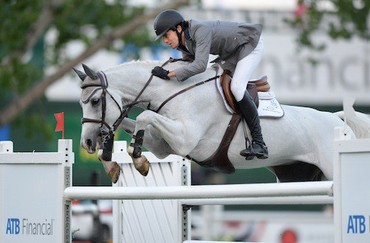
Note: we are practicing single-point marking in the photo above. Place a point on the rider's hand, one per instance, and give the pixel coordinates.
(160, 72)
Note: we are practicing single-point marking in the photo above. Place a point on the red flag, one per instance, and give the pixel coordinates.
(60, 123)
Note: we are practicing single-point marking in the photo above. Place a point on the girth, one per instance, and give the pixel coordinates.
(219, 161)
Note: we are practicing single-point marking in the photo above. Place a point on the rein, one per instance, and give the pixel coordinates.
(184, 90)
(123, 111)
(126, 108)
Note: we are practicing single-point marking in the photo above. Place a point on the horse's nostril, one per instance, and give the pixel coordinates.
(88, 142)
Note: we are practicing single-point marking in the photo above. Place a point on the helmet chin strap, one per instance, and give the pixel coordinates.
(179, 34)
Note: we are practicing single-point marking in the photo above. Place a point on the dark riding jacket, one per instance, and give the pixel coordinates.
(222, 38)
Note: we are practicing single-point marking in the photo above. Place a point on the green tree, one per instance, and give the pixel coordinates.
(97, 23)
(339, 19)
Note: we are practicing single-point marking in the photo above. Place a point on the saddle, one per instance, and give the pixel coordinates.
(253, 87)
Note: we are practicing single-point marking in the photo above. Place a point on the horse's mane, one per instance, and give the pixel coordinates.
(134, 62)
(144, 63)
(138, 65)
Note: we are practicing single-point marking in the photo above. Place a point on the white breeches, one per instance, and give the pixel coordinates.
(244, 70)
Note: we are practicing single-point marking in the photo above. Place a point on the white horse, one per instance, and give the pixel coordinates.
(194, 122)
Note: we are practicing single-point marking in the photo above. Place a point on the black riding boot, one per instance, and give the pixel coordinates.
(249, 112)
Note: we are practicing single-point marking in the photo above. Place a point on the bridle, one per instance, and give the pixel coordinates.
(123, 111)
(104, 87)
(126, 108)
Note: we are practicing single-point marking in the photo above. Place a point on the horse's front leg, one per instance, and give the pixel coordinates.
(152, 141)
(112, 169)
(173, 132)
(128, 125)
(135, 149)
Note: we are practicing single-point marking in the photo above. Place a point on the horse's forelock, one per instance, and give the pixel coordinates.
(90, 82)
(87, 93)
(89, 87)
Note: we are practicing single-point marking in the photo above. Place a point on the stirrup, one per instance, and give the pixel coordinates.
(248, 153)
(260, 155)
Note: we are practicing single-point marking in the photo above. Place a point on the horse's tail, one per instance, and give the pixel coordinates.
(358, 122)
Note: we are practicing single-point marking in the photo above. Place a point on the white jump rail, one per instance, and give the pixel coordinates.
(36, 191)
(199, 192)
(281, 200)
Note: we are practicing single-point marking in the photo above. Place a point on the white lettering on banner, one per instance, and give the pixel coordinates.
(303, 74)
(342, 69)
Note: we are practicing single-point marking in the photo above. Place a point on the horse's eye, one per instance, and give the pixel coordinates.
(95, 101)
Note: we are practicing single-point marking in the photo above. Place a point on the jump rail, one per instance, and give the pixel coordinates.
(202, 192)
(36, 192)
(288, 200)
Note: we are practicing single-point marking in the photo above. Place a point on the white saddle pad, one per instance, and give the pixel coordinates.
(268, 104)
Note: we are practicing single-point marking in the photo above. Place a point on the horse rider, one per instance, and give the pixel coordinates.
(240, 48)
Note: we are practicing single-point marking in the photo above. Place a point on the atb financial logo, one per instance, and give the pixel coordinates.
(25, 226)
(356, 224)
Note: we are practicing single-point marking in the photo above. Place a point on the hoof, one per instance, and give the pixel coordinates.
(114, 172)
(142, 165)
(144, 171)
(112, 169)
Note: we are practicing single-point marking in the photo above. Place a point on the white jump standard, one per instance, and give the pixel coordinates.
(31, 194)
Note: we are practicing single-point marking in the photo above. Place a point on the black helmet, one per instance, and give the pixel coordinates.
(165, 21)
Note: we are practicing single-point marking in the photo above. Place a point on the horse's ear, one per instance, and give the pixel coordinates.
(80, 74)
(90, 73)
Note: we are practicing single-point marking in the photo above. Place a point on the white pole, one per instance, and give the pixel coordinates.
(285, 200)
(198, 192)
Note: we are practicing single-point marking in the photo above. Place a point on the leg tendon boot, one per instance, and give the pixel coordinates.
(250, 114)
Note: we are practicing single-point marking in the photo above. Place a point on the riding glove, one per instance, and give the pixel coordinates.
(160, 72)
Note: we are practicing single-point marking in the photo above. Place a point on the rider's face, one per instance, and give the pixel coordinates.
(171, 39)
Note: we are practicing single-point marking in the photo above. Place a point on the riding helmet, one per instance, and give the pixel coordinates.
(165, 21)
